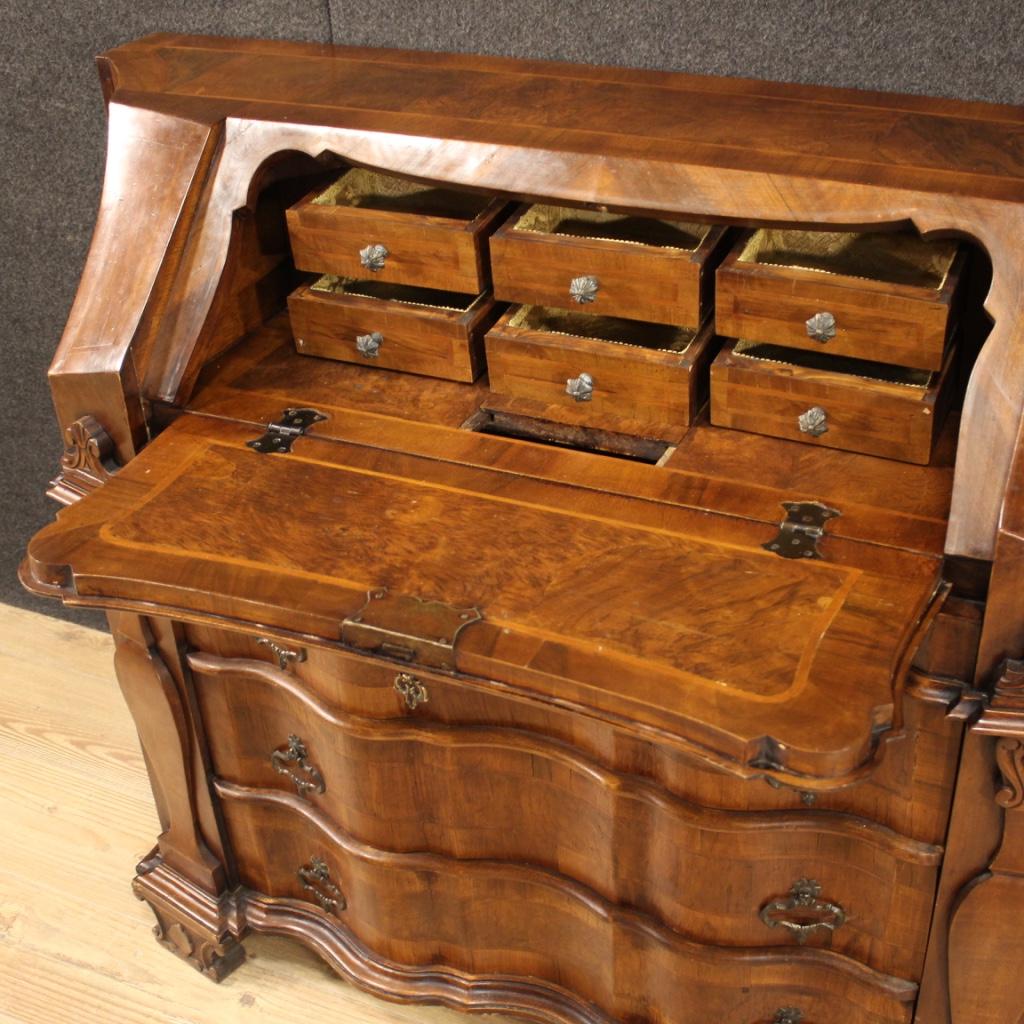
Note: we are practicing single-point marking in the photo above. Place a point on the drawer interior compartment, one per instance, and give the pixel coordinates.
(619, 375)
(384, 291)
(888, 297)
(857, 405)
(612, 227)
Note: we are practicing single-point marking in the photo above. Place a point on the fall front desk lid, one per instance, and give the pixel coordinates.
(670, 621)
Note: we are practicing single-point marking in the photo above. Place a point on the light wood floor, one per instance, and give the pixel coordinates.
(75, 815)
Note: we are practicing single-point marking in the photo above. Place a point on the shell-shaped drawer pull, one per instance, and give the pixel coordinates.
(584, 288)
(580, 388)
(373, 256)
(412, 690)
(293, 761)
(803, 912)
(814, 421)
(821, 327)
(286, 657)
(368, 345)
(316, 879)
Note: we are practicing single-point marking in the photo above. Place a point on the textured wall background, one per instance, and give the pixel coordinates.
(52, 126)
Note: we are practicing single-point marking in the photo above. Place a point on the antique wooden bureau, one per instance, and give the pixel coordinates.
(562, 527)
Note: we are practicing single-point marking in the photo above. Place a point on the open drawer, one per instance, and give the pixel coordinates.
(596, 371)
(884, 297)
(368, 224)
(396, 327)
(643, 268)
(679, 622)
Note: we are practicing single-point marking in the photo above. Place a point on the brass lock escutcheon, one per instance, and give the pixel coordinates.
(803, 912)
(293, 761)
(584, 288)
(413, 692)
(316, 879)
(373, 256)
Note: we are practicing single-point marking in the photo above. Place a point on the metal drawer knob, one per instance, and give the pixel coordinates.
(308, 777)
(373, 256)
(413, 692)
(802, 912)
(584, 289)
(369, 345)
(821, 327)
(788, 1015)
(581, 388)
(285, 657)
(316, 878)
(813, 422)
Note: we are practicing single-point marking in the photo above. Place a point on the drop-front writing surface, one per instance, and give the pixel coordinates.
(372, 668)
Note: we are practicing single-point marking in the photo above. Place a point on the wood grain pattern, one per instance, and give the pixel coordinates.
(82, 822)
(764, 393)
(408, 787)
(416, 908)
(432, 340)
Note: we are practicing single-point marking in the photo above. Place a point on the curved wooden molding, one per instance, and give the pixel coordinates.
(454, 737)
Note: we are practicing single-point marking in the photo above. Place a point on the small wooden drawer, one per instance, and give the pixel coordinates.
(372, 225)
(596, 371)
(621, 265)
(885, 297)
(397, 327)
(859, 406)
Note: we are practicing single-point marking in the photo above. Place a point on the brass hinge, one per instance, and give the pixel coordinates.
(408, 628)
(281, 434)
(802, 529)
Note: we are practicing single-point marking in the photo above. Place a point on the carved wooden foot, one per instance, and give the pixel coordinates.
(190, 922)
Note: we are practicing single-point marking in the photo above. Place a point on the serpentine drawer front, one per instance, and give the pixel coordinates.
(561, 529)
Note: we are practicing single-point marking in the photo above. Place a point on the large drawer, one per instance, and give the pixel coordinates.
(907, 788)
(485, 918)
(709, 874)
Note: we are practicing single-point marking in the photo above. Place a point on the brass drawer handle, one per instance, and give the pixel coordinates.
(413, 692)
(584, 289)
(803, 912)
(788, 1015)
(581, 388)
(814, 421)
(316, 878)
(296, 754)
(373, 256)
(285, 656)
(369, 345)
(821, 327)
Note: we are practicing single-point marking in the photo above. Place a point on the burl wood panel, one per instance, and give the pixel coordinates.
(439, 342)
(410, 787)
(484, 917)
(795, 661)
(889, 162)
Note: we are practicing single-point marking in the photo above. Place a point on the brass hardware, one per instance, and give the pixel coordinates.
(316, 878)
(584, 289)
(802, 912)
(373, 256)
(408, 628)
(581, 388)
(369, 344)
(412, 690)
(281, 434)
(296, 754)
(807, 797)
(821, 327)
(788, 1015)
(285, 656)
(802, 529)
(814, 421)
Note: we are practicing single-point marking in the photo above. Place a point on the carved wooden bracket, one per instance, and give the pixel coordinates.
(87, 463)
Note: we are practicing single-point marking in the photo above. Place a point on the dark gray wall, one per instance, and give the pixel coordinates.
(52, 130)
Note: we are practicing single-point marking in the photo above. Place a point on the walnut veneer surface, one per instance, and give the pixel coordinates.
(442, 688)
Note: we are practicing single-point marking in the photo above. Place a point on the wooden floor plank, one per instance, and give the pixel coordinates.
(76, 813)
